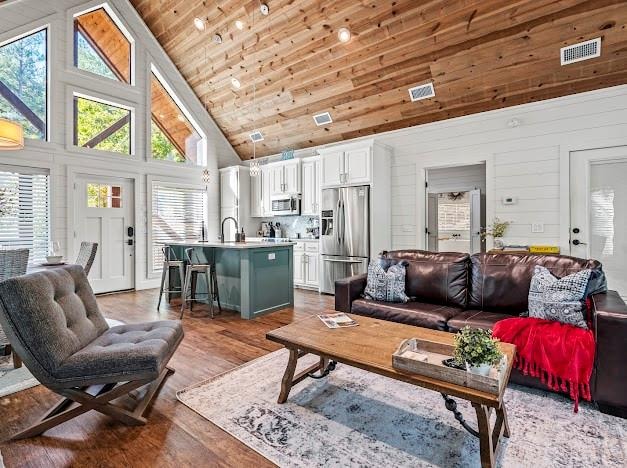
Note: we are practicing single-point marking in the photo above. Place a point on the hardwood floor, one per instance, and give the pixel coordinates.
(174, 435)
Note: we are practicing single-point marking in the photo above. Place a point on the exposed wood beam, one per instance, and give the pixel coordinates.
(107, 132)
(22, 108)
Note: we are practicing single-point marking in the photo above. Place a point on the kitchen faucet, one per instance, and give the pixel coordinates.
(222, 230)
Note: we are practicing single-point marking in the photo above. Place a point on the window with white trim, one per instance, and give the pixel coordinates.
(178, 214)
(24, 211)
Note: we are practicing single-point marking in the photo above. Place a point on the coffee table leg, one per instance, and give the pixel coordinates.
(501, 426)
(489, 437)
(288, 376)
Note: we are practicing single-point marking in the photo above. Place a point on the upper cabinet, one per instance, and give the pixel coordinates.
(310, 203)
(346, 166)
(229, 187)
(284, 177)
(256, 196)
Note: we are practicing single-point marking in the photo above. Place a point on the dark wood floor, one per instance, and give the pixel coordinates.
(174, 435)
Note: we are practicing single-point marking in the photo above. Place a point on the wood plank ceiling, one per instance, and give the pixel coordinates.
(480, 55)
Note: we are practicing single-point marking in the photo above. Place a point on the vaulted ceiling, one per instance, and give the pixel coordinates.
(479, 54)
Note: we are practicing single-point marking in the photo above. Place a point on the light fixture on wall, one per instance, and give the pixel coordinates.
(11, 135)
(344, 35)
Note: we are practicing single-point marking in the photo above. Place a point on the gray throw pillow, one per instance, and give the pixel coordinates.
(559, 299)
(386, 285)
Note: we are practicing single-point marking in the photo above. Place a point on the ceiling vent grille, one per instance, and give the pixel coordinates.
(323, 119)
(256, 136)
(582, 51)
(424, 91)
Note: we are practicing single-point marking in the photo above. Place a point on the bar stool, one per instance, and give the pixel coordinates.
(170, 260)
(193, 269)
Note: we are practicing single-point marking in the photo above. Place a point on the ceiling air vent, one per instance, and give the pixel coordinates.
(424, 91)
(323, 119)
(256, 136)
(582, 51)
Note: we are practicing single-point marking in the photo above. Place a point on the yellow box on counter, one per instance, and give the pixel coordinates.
(545, 249)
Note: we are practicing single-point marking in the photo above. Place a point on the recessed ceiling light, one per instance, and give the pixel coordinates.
(265, 9)
(239, 24)
(344, 35)
(235, 82)
(217, 38)
(199, 24)
(181, 118)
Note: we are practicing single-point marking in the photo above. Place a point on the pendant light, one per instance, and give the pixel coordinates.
(11, 135)
(254, 163)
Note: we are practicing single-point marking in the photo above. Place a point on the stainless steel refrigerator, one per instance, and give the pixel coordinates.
(344, 234)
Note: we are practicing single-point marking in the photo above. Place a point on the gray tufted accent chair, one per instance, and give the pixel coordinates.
(53, 321)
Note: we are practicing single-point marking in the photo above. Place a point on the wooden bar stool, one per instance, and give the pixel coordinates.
(170, 261)
(194, 268)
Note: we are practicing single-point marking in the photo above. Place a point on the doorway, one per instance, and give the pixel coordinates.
(104, 213)
(598, 197)
(456, 209)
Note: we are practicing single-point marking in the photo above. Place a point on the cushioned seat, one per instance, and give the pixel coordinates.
(141, 350)
(475, 319)
(420, 314)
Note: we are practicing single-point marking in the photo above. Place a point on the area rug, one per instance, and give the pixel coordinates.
(14, 380)
(356, 418)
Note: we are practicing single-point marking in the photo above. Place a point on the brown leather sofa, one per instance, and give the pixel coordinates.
(452, 290)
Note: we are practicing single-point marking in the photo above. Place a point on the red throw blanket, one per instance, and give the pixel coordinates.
(562, 356)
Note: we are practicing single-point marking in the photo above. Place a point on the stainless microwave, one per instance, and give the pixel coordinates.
(285, 205)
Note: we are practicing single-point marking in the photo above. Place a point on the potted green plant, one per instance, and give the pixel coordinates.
(477, 349)
(497, 232)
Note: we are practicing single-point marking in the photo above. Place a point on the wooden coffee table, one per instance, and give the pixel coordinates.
(369, 346)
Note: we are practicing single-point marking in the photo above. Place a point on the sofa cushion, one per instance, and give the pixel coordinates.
(500, 282)
(419, 314)
(475, 319)
(438, 278)
(124, 352)
(386, 283)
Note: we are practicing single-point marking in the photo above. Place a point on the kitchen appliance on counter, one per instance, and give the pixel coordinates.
(344, 234)
(284, 205)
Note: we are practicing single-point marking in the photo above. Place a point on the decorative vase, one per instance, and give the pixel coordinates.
(498, 243)
(483, 369)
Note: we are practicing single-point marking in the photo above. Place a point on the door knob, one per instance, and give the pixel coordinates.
(578, 242)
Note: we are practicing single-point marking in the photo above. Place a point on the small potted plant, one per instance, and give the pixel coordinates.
(497, 232)
(477, 349)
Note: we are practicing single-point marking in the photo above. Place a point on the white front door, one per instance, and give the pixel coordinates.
(598, 194)
(104, 213)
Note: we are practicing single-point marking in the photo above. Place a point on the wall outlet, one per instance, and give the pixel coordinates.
(537, 227)
(509, 200)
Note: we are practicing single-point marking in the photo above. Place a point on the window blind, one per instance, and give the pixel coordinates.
(24, 213)
(178, 214)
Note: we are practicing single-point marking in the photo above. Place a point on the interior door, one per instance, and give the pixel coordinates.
(104, 209)
(598, 193)
(432, 222)
(476, 206)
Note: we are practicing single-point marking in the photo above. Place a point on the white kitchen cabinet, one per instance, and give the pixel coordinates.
(311, 269)
(310, 202)
(256, 196)
(299, 268)
(332, 169)
(306, 264)
(285, 177)
(234, 198)
(229, 187)
(357, 163)
(349, 167)
(266, 191)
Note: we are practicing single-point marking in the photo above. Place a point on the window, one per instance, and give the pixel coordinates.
(24, 212)
(178, 213)
(173, 137)
(101, 47)
(24, 83)
(104, 196)
(101, 126)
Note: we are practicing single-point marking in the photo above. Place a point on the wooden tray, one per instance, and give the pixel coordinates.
(433, 367)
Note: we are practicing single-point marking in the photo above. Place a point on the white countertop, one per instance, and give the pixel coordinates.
(233, 245)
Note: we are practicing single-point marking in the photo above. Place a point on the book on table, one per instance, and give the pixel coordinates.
(339, 320)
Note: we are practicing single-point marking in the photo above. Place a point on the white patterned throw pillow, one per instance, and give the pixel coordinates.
(386, 285)
(559, 299)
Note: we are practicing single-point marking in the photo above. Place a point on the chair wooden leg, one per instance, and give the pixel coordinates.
(17, 361)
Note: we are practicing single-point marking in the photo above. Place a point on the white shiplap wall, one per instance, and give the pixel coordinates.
(63, 159)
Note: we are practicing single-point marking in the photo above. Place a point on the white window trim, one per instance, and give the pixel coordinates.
(153, 69)
(151, 181)
(72, 13)
(73, 92)
(20, 33)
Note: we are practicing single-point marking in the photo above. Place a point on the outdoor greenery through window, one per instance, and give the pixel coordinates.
(23, 83)
(100, 47)
(24, 212)
(102, 126)
(173, 137)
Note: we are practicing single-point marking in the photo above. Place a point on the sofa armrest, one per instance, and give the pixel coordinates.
(610, 326)
(347, 290)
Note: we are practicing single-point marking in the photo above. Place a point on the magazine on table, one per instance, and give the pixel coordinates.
(340, 320)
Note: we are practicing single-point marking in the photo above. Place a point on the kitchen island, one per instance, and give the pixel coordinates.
(254, 278)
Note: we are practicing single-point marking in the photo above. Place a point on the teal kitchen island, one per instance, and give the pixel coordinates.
(253, 278)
